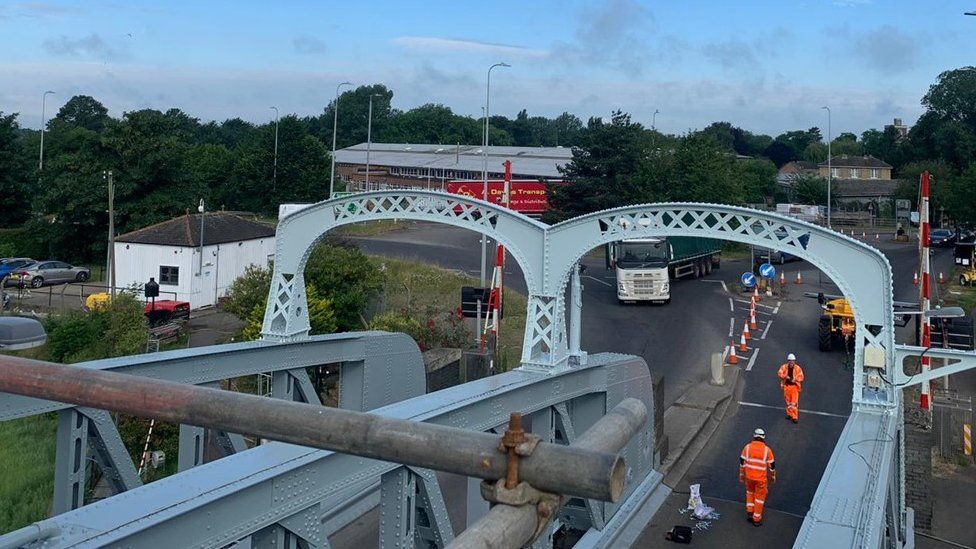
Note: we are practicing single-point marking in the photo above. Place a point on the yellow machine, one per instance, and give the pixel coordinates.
(965, 258)
(96, 301)
(836, 323)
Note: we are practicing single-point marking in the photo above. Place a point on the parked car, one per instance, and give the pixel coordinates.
(40, 273)
(942, 237)
(9, 264)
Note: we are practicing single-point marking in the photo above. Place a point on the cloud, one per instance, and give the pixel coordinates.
(731, 55)
(433, 44)
(308, 45)
(614, 34)
(888, 49)
(91, 46)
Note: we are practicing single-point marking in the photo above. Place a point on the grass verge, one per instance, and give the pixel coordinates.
(27, 469)
(413, 285)
(958, 296)
(371, 228)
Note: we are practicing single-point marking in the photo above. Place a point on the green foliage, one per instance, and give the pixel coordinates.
(321, 315)
(346, 278)
(15, 188)
(248, 291)
(27, 469)
(809, 189)
(116, 330)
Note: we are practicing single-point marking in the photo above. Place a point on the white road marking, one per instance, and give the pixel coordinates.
(768, 324)
(724, 287)
(752, 359)
(597, 280)
(758, 312)
(731, 305)
(722, 282)
(731, 326)
(776, 310)
(747, 302)
(756, 405)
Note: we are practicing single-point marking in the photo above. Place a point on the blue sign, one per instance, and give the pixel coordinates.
(766, 270)
(748, 279)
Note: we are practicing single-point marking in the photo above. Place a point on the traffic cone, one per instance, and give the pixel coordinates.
(941, 278)
(877, 236)
(755, 295)
(782, 279)
(799, 278)
(752, 321)
(915, 279)
(742, 344)
(732, 358)
(745, 331)
(863, 235)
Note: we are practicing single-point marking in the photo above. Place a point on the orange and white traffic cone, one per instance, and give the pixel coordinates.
(877, 236)
(742, 344)
(755, 295)
(732, 358)
(863, 235)
(745, 331)
(941, 278)
(799, 278)
(915, 279)
(752, 321)
(782, 279)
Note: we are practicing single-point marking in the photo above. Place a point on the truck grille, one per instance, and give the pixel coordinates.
(643, 287)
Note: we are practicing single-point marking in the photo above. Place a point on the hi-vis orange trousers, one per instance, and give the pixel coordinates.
(791, 394)
(756, 491)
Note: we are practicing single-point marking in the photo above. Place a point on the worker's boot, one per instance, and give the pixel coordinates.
(757, 523)
(748, 516)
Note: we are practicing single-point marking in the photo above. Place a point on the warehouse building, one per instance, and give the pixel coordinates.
(395, 165)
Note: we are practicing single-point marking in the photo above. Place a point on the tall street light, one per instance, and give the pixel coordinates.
(274, 178)
(40, 163)
(654, 120)
(484, 171)
(830, 172)
(335, 122)
(369, 135)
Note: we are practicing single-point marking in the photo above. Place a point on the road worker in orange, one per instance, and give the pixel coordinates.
(755, 462)
(791, 381)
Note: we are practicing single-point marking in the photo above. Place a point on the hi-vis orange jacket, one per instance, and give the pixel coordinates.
(756, 459)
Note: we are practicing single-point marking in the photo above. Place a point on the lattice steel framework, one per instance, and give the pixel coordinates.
(548, 256)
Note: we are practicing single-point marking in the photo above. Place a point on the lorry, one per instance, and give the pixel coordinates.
(646, 266)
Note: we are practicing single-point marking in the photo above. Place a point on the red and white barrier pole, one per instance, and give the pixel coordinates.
(923, 242)
(493, 318)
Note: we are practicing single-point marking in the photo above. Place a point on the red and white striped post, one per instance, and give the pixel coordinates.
(923, 243)
(493, 318)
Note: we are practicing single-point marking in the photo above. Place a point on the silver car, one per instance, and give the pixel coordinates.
(40, 273)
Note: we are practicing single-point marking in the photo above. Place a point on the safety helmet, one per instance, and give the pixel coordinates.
(759, 433)
(791, 356)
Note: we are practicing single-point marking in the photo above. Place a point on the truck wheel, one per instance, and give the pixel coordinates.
(962, 280)
(708, 266)
(824, 337)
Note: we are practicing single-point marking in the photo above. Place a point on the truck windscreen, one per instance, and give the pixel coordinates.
(642, 255)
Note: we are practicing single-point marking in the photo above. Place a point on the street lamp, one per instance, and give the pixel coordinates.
(202, 211)
(484, 171)
(40, 163)
(335, 122)
(369, 135)
(654, 119)
(830, 172)
(274, 180)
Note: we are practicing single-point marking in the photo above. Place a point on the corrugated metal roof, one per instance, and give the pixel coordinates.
(526, 161)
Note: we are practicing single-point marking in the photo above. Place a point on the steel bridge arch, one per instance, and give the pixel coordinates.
(861, 272)
(286, 315)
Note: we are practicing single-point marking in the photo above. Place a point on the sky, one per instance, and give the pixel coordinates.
(767, 66)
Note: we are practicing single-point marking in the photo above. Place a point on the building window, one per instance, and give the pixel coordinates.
(874, 173)
(854, 174)
(169, 275)
(834, 172)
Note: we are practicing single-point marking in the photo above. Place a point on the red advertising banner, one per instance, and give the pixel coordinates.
(528, 195)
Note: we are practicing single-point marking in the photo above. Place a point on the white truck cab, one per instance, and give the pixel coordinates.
(641, 265)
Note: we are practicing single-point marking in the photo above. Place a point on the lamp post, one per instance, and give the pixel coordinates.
(654, 119)
(369, 135)
(335, 122)
(40, 163)
(484, 155)
(202, 211)
(830, 172)
(274, 177)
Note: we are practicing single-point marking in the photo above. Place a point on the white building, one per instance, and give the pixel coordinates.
(170, 253)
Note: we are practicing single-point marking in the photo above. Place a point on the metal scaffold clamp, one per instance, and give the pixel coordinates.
(516, 443)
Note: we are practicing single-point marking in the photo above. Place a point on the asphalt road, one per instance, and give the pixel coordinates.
(676, 341)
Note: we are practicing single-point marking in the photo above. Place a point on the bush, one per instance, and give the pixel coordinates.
(347, 278)
(321, 316)
(119, 329)
(429, 328)
(248, 290)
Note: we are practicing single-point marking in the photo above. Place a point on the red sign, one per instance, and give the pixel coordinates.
(528, 195)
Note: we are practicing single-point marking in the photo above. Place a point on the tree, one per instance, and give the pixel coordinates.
(345, 277)
(881, 144)
(758, 180)
(846, 144)
(961, 193)
(15, 189)
(809, 189)
(953, 97)
(604, 171)
(354, 114)
(83, 111)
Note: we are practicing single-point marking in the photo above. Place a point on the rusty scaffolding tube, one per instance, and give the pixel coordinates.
(511, 526)
(551, 467)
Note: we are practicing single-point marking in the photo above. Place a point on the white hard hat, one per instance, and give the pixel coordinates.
(759, 433)
(791, 356)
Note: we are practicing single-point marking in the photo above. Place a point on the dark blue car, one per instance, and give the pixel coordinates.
(10, 264)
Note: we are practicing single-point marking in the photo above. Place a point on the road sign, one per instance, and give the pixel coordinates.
(766, 270)
(748, 279)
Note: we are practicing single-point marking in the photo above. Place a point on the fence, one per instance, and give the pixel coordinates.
(951, 414)
(64, 297)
